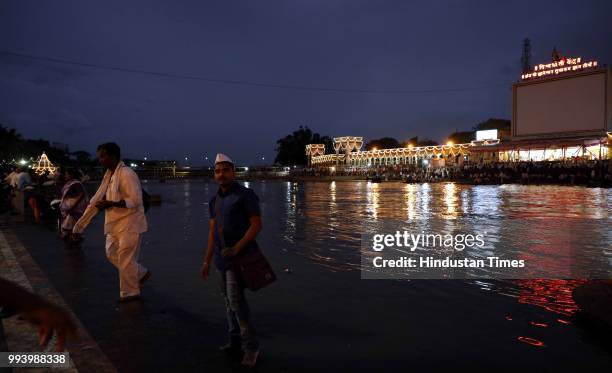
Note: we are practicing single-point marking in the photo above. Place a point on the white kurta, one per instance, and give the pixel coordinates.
(123, 226)
(122, 185)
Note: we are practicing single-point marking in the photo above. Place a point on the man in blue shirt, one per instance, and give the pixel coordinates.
(234, 210)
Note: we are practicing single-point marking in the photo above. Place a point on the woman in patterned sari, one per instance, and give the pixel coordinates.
(74, 202)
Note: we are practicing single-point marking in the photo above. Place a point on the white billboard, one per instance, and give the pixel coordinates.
(486, 135)
(572, 104)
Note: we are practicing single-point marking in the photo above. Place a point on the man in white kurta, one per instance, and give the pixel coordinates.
(120, 196)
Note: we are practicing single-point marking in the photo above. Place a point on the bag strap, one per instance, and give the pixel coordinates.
(219, 221)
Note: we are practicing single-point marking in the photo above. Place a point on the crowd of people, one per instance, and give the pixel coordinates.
(232, 251)
(590, 173)
(59, 196)
(574, 172)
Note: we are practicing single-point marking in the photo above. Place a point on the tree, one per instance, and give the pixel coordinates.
(493, 124)
(412, 141)
(10, 142)
(291, 149)
(503, 127)
(382, 143)
(462, 137)
(427, 142)
(82, 156)
(14, 146)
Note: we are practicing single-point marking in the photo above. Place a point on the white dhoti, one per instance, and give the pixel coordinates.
(123, 226)
(122, 251)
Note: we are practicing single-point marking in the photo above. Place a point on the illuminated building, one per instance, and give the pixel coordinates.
(560, 110)
(348, 153)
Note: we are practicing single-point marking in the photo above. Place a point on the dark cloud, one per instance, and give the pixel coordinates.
(432, 48)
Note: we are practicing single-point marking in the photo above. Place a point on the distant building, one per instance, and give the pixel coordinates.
(560, 110)
(152, 169)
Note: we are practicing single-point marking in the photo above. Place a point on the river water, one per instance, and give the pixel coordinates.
(324, 221)
(321, 307)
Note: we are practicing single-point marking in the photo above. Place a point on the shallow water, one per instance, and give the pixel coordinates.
(321, 313)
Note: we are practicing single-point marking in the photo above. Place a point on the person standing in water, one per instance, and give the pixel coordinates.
(120, 197)
(235, 221)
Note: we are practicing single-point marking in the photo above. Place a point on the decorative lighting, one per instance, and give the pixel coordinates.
(42, 165)
(559, 67)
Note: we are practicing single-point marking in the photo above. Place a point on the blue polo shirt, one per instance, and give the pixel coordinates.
(237, 205)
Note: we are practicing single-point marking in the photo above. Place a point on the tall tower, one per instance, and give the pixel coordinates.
(526, 57)
(556, 55)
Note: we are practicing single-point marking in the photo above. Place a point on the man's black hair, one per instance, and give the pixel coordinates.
(111, 149)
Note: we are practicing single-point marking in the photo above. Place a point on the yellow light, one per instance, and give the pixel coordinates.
(333, 169)
(555, 68)
(449, 143)
(374, 148)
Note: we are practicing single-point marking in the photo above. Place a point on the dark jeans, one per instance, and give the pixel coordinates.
(240, 327)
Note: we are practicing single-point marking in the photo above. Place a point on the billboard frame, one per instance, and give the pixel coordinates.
(606, 125)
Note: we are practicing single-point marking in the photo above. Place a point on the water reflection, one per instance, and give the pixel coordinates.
(289, 230)
(410, 190)
(337, 212)
(450, 200)
(373, 195)
(333, 211)
(323, 222)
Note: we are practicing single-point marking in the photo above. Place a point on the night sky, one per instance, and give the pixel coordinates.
(453, 61)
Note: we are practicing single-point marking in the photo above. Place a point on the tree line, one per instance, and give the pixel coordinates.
(14, 147)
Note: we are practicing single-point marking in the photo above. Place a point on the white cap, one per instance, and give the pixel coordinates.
(223, 158)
